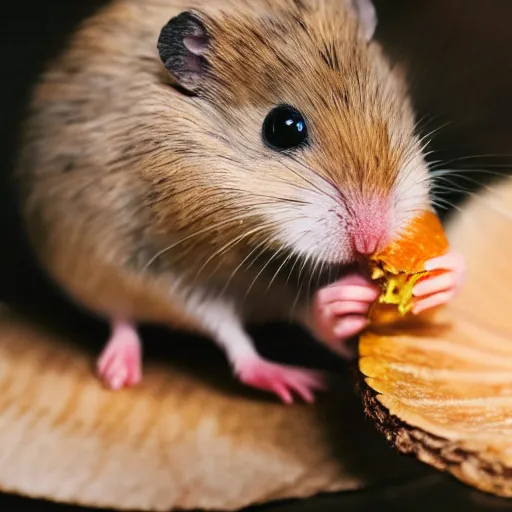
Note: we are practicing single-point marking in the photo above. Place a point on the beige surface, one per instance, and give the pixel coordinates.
(451, 381)
(189, 437)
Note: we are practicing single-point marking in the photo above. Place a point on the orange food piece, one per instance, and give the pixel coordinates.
(401, 264)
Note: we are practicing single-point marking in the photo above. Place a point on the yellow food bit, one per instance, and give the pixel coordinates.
(399, 266)
(397, 289)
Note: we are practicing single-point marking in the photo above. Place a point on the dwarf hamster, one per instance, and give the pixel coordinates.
(206, 165)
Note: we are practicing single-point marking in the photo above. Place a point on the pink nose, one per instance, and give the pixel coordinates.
(370, 229)
(367, 243)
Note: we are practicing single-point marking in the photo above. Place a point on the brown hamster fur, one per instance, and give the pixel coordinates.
(149, 194)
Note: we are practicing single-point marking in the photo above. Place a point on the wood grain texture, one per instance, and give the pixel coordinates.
(189, 437)
(441, 388)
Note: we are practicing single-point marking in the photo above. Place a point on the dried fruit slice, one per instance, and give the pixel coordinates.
(401, 264)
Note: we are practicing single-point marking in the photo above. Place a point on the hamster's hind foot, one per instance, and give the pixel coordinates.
(120, 363)
(285, 381)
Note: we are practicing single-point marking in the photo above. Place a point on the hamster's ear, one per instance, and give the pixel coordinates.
(181, 46)
(365, 11)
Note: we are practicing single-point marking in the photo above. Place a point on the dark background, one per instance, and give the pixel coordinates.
(459, 56)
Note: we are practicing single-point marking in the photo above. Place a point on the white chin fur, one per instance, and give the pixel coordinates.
(314, 229)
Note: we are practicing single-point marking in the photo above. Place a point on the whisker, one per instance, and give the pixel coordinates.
(222, 250)
(480, 157)
(285, 261)
(270, 259)
(461, 173)
(435, 131)
(438, 191)
(259, 247)
(306, 261)
(213, 227)
(310, 182)
(444, 204)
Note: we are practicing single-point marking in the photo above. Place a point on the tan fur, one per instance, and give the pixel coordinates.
(131, 189)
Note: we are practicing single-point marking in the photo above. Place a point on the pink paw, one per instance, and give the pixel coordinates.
(284, 381)
(340, 311)
(120, 362)
(441, 288)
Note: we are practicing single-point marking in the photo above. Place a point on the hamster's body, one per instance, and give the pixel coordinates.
(150, 196)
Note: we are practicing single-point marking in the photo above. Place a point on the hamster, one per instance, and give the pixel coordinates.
(206, 165)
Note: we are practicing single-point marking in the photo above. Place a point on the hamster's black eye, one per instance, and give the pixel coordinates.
(284, 128)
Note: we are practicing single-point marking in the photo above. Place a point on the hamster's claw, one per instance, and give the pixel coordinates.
(285, 381)
(120, 365)
(440, 289)
(340, 311)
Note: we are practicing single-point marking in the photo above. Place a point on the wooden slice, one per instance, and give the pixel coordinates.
(441, 387)
(189, 437)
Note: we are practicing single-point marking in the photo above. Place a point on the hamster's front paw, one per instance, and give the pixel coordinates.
(340, 310)
(120, 363)
(283, 380)
(439, 289)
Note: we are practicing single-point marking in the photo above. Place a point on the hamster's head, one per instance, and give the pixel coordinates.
(310, 137)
